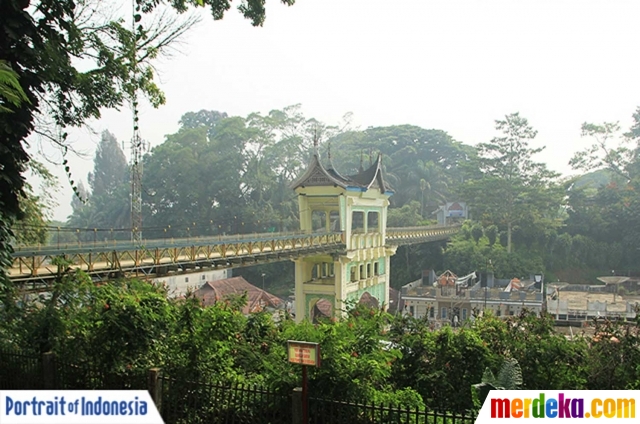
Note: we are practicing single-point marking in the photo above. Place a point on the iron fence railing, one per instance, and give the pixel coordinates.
(196, 402)
(328, 411)
(82, 376)
(20, 371)
(187, 402)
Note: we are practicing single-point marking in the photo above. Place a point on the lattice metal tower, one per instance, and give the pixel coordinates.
(138, 146)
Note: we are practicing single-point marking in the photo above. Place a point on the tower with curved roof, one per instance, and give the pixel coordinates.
(355, 206)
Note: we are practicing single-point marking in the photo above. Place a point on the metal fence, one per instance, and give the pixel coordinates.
(70, 376)
(196, 402)
(188, 402)
(20, 371)
(328, 411)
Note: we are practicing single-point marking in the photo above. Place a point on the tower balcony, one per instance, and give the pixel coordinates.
(323, 281)
(365, 282)
(362, 240)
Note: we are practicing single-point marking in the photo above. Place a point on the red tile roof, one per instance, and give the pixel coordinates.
(257, 299)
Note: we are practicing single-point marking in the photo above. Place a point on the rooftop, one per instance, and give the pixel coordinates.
(319, 175)
(257, 299)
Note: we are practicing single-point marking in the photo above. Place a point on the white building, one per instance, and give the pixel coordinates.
(179, 284)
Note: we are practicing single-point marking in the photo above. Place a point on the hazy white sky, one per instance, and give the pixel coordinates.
(454, 65)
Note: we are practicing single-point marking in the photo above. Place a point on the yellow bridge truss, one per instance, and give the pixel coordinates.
(38, 264)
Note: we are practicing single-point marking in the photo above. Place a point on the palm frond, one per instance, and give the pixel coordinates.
(10, 89)
(510, 375)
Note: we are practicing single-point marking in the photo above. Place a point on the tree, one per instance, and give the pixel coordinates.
(32, 227)
(603, 153)
(42, 43)
(206, 118)
(477, 232)
(511, 189)
(107, 205)
(110, 169)
(410, 154)
(191, 178)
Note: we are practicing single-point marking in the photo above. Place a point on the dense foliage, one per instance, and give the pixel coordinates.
(369, 355)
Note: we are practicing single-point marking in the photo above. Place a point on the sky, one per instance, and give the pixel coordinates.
(453, 65)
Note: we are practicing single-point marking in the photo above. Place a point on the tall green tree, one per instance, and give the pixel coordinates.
(107, 204)
(193, 178)
(511, 189)
(43, 41)
(110, 169)
(606, 215)
(607, 150)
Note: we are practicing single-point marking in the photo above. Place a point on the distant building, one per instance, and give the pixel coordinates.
(179, 284)
(451, 212)
(576, 302)
(451, 296)
(257, 299)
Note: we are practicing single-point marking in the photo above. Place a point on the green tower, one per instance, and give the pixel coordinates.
(355, 206)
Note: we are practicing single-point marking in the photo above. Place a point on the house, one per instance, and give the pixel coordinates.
(179, 284)
(257, 299)
(451, 212)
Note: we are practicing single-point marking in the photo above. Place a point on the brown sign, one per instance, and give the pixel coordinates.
(304, 353)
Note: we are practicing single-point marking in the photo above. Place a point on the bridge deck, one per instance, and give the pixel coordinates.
(42, 263)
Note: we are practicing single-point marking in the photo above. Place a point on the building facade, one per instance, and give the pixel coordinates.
(355, 206)
(450, 299)
(179, 284)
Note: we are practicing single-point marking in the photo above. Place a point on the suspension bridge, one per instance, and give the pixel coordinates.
(341, 252)
(157, 257)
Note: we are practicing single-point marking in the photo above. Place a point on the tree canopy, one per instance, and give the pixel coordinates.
(42, 87)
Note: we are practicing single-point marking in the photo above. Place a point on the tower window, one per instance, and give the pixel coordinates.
(372, 222)
(357, 222)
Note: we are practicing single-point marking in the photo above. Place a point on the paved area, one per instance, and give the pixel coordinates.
(578, 300)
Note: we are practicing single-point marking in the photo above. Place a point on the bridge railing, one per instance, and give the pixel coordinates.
(161, 242)
(421, 228)
(169, 241)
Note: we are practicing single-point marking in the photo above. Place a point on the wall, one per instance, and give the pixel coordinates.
(181, 283)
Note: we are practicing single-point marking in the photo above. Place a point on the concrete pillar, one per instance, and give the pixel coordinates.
(299, 290)
(305, 213)
(154, 386)
(296, 406)
(49, 370)
(340, 287)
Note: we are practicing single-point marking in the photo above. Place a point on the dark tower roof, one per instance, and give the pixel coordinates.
(317, 175)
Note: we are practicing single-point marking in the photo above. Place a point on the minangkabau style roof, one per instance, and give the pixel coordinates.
(317, 175)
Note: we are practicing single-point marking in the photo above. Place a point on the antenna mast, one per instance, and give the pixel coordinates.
(137, 144)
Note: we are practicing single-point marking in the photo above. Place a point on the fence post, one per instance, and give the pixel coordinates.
(154, 385)
(296, 406)
(49, 370)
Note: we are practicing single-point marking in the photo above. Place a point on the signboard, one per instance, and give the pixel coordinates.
(304, 353)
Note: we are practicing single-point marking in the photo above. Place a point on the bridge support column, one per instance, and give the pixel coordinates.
(340, 286)
(300, 309)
